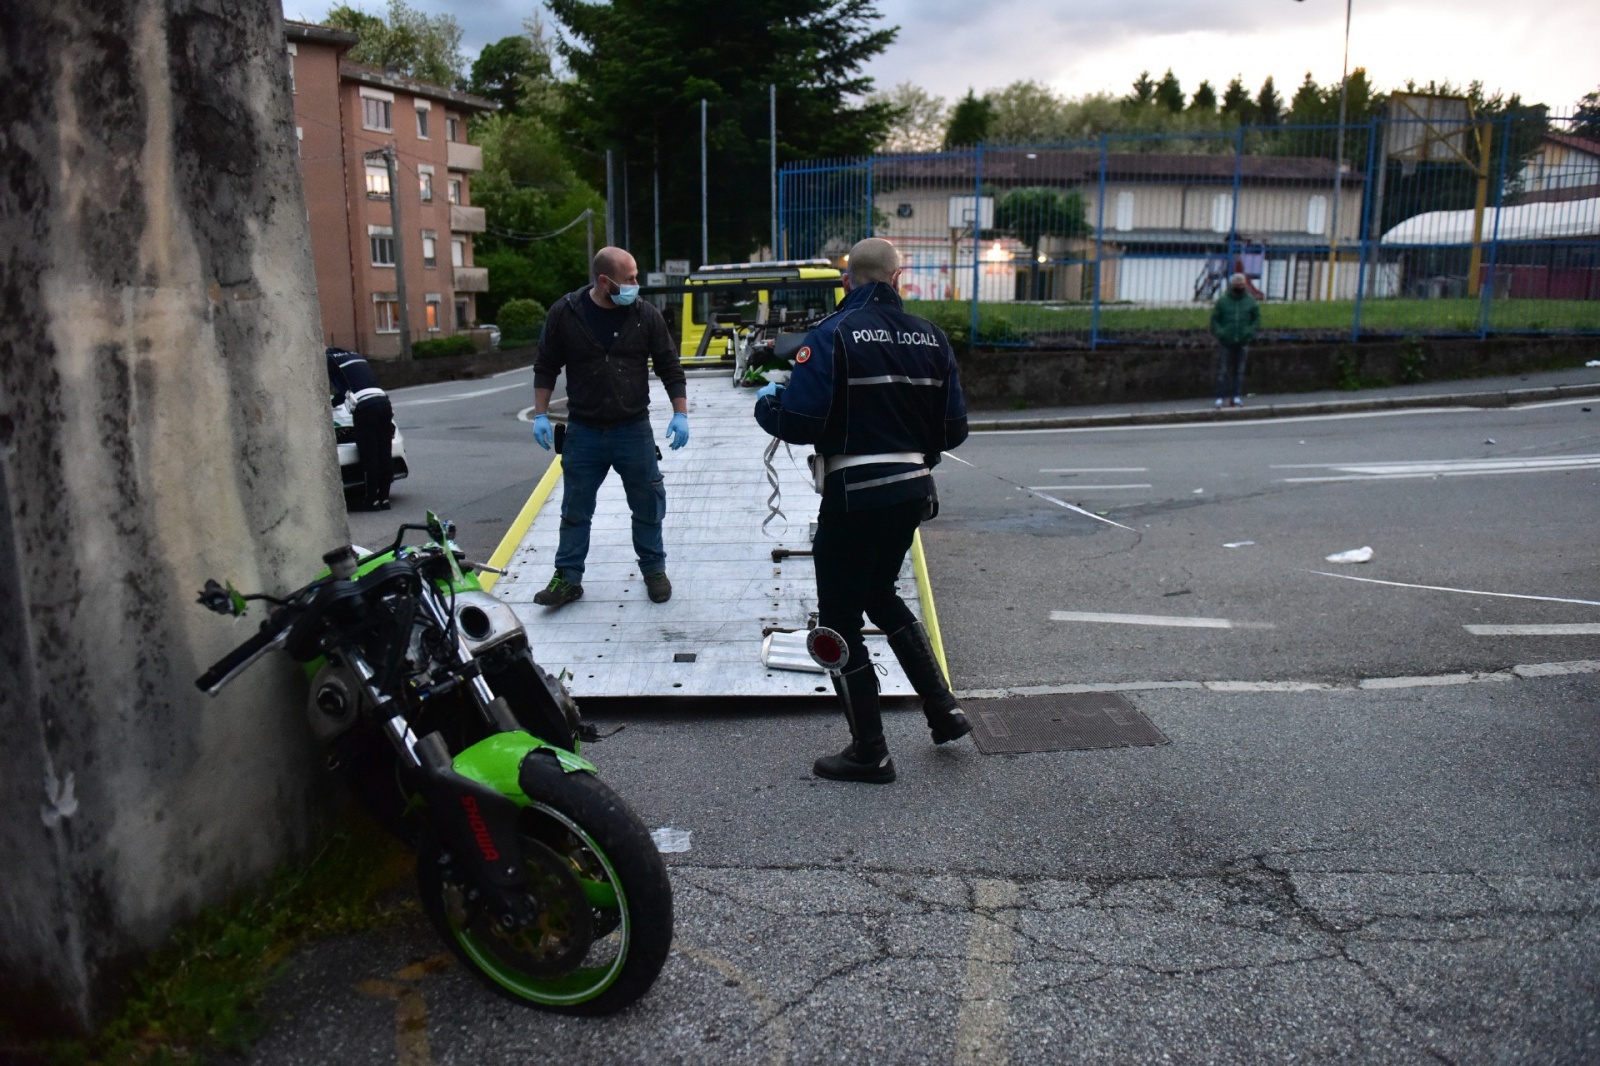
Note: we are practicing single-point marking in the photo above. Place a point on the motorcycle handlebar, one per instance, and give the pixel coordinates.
(236, 660)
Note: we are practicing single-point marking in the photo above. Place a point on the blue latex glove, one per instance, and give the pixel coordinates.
(678, 430)
(769, 390)
(543, 435)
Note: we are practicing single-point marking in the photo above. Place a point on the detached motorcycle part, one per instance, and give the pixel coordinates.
(610, 856)
(484, 621)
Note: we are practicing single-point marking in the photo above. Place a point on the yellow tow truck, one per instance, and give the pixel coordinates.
(720, 304)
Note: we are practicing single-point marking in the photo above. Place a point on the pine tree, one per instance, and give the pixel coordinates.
(1144, 90)
(1269, 105)
(969, 121)
(1169, 94)
(1236, 101)
(1205, 99)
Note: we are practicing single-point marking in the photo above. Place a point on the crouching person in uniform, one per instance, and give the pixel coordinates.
(877, 392)
(372, 418)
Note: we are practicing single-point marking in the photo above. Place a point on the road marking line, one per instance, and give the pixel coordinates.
(1551, 403)
(1082, 488)
(1155, 620)
(1096, 470)
(1439, 473)
(986, 1005)
(410, 1009)
(1467, 592)
(1526, 671)
(1577, 629)
(1429, 465)
(771, 1015)
(460, 396)
(1203, 422)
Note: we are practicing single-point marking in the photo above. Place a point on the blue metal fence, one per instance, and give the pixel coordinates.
(1403, 227)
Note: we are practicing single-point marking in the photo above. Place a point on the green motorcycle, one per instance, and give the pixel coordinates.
(425, 693)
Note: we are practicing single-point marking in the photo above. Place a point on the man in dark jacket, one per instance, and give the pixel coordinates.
(876, 390)
(372, 418)
(1234, 321)
(606, 341)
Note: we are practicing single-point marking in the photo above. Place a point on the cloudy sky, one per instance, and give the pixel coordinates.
(1533, 47)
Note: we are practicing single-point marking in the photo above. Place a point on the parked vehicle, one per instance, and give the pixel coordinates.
(541, 880)
(344, 436)
(494, 334)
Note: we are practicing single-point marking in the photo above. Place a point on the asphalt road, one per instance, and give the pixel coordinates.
(1325, 864)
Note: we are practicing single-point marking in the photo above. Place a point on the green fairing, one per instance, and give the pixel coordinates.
(496, 761)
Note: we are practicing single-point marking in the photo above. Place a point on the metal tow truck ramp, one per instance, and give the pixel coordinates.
(729, 592)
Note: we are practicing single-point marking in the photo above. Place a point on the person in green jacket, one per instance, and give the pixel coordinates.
(1234, 321)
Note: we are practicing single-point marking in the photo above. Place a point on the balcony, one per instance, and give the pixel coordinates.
(472, 279)
(462, 156)
(466, 219)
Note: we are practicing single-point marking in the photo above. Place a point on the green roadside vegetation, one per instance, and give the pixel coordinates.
(1010, 323)
(195, 999)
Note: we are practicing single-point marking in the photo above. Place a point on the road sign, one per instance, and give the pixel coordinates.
(678, 266)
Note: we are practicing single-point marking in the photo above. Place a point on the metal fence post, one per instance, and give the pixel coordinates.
(1099, 247)
(1365, 236)
(977, 226)
(1238, 184)
(870, 230)
(1486, 298)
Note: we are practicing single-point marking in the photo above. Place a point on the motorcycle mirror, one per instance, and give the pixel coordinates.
(439, 529)
(827, 649)
(221, 599)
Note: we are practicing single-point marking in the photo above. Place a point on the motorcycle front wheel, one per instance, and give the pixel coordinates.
(605, 919)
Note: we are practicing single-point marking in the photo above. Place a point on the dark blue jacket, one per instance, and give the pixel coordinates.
(349, 375)
(872, 379)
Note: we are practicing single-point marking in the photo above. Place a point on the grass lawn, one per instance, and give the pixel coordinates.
(1015, 321)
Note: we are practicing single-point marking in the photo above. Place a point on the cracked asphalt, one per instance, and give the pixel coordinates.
(1336, 874)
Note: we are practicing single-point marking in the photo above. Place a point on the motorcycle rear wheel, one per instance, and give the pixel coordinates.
(584, 845)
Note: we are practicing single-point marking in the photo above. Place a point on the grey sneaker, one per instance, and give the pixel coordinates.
(558, 593)
(659, 587)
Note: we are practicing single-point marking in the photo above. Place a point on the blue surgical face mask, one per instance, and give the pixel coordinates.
(625, 295)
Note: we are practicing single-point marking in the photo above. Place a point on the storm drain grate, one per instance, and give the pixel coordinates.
(1074, 721)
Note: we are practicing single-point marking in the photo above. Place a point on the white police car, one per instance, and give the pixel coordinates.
(344, 434)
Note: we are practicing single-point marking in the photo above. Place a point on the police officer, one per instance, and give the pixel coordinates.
(877, 392)
(349, 375)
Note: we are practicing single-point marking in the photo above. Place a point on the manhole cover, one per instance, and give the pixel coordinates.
(1074, 721)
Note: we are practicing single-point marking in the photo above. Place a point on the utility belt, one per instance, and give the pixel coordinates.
(359, 398)
(822, 466)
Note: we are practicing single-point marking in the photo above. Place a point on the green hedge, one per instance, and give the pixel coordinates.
(439, 347)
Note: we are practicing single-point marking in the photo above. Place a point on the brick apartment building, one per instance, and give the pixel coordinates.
(343, 111)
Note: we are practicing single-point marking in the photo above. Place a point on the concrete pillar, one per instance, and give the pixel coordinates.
(163, 418)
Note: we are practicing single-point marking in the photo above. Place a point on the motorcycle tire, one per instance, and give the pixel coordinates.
(605, 927)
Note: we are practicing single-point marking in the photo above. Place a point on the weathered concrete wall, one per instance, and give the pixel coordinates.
(1043, 378)
(163, 418)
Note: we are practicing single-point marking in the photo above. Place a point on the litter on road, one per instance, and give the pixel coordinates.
(1238, 544)
(670, 841)
(1354, 555)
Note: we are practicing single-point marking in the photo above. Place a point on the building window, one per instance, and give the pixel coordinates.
(454, 189)
(1222, 212)
(425, 181)
(430, 245)
(1317, 215)
(433, 304)
(452, 126)
(463, 313)
(422, 122)
(458, 252)
(377, 182)
(382, 242)
(1124, 221)
(377, 114)
(386, 312)
(299, 140)
(293, 51)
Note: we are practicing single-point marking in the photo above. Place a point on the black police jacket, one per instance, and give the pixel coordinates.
(607, 388)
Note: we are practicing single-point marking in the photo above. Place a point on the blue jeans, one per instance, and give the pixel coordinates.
(586, 457)
(1230, 370)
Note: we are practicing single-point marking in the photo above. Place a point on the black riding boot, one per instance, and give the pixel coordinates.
(867, 757)
(945, 718)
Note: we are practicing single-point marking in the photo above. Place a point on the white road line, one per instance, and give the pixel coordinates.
(985, 1015)
(1577, 629)
(1096, 470)
(461, 395)
(1466, 592)
(1206, 423)
(1523, 672)
(1452, 468)
(1096, 488)
(1431, 465)
(1179, 621)
(1552, 403)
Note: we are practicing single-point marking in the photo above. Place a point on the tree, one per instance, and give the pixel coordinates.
(1308, 107)
(640, 71)
(409, 42)
(1236, 102)
(1269, 105)
(969, 121)
(1026, 112)
(1032, 214)
(1169, 94)
(1586, 117)
(917, 119)
(506, 70)
(1205, 99)
(1144, 90)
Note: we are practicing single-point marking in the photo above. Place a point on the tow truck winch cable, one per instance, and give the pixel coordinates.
(774, 498)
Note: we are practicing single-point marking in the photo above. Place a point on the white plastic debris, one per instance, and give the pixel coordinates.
(1198, 491)
(1491, 440)
(1592, 362)
(1354, 555)
(668, 840)
(1239, 544)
